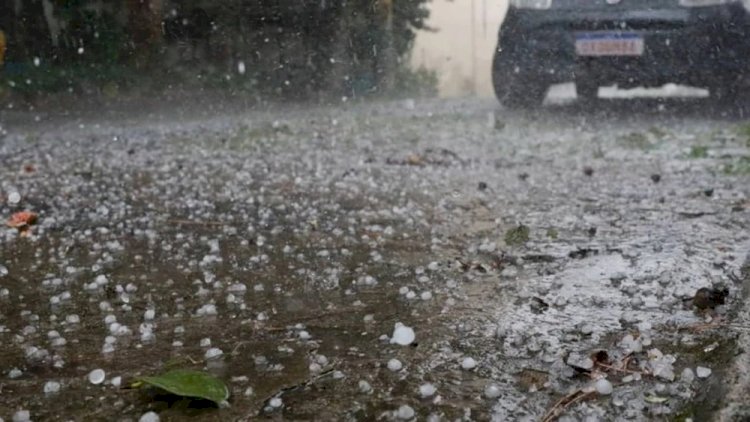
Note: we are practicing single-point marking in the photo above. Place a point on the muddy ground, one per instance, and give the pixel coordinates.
(545, 261)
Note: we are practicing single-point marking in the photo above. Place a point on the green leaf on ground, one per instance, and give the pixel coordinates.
(517, 235)
(698, 151)
(188, 383)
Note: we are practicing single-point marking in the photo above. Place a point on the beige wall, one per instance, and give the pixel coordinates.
(449, 50)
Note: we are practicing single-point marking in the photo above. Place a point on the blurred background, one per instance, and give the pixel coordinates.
(460, 50)
(288, 49)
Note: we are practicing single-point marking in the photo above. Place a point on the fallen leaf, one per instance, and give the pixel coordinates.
(414, 160)
(655, 399)
(188, 383)
(21, 220)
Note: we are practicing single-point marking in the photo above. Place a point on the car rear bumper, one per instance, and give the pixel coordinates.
(680, 44)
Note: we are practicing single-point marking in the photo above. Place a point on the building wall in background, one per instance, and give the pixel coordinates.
(461, 49)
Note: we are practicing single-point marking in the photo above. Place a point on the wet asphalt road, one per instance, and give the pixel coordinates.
(277, 248)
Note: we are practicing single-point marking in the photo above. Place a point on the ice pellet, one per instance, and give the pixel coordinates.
(149, 417)
(402, 335)
(603, 387)
(97, 376)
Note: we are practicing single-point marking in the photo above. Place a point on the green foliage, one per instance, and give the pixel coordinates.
(739, 166)
(290, 48)
(517, 236)
(187, 383)
(698, 151)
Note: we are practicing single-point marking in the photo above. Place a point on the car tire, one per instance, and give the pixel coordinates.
(587, 91)
(516, 88)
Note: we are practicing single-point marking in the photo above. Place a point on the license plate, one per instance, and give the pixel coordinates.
(609, 44)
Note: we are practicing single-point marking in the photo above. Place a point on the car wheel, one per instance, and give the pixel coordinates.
(587, 90)
(516, 88)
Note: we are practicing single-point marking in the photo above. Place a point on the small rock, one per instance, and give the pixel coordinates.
(482, 186)
(656, 178)
(149, 417)
(588, 171)
(703, 372)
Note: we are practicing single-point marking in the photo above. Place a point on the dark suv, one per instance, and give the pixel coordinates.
(702, 43)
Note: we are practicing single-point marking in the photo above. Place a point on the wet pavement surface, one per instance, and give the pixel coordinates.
(546, 261)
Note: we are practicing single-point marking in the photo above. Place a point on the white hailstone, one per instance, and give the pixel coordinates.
(116, 382)
(369, 318)
(149, 417)
(241, 68)
(433, 266)
(275, 402)
(405, 412)
(303, 335)
(402, 335)
(338, 375)
(14, 198)
(58, 342)
(213, 353)
(22, 416)
(403, 290)
(109, 319)
(108, 348)
(51, 387)
(315, 368)
(97, 376)
(468, 364)
(14, 373)
(426, 296)
(365, 387)
(114, 328)
(149, 315)
(395, 365)
(101, 280)
(492, 391)
(258, 288)
(411, 295)
(603, 387)
(687, 375)
(703, 372)
(248, 392)
(207, 310)
(206, 342)
(73, 319)
(427, 390)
